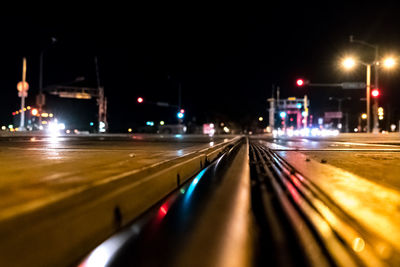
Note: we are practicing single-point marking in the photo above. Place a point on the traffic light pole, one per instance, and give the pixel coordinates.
(375, 106)
(368, 97)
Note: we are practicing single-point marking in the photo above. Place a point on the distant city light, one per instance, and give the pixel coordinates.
(364, 116)
(260, 118)
(315, 132)
(91, 123)
(282, 114)
(180, 115)
(130, 130)
(140, 100)
(162, 122)
(150, 123)
(102, 127)
(34, 112)
(299, 105)
(54, 127)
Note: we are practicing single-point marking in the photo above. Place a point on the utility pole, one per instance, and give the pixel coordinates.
(340, 100)
(23, 92)
(101, 101)
(179, 95)
(368, 98)
(376, 65)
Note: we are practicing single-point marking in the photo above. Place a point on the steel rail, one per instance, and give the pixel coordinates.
(343, 240)
(205, 222)
(343, 224)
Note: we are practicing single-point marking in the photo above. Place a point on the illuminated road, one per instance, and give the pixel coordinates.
(61, 196)
(314, 202)
(347, 187)
(35, 167)
(282, 202)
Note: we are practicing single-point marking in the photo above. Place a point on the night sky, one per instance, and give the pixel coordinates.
(226, 59)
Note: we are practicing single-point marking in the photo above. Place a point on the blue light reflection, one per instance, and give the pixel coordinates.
(193, 185)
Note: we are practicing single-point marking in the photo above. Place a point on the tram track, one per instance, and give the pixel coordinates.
(288, 206)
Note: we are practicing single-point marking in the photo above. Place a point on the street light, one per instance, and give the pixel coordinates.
(350, 62)
(389, 62)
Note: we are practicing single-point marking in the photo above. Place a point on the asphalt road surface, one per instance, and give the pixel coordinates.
(61, 196)
(35, 168)
(71, 188)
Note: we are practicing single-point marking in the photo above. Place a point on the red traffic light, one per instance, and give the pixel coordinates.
(140, 100)
(300, 82)
(182, 111)
(375, 93)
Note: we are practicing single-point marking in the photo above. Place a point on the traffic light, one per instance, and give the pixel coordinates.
(180, 115)
(300, 82)
(140, 100)
(375, 93)
(380, 113)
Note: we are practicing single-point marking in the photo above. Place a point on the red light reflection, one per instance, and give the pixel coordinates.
(162, 211)
(293, 192)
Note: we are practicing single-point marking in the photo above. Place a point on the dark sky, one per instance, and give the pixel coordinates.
(226, 58)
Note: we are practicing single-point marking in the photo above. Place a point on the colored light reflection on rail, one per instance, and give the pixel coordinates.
(163, 210)
(102, 254)
(193, 185)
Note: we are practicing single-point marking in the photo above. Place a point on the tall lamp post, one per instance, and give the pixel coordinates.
(376, 77)
(349, 63)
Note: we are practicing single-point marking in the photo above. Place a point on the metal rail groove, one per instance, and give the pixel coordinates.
(326, 235)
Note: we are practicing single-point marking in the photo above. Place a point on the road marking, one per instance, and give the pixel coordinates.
(364, 144)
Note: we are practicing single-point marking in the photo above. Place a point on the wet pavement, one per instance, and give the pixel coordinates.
(359, 173)
(36, 167)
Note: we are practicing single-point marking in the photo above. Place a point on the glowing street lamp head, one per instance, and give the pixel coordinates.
(389, 62)
(364, 116)
(348, 63)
